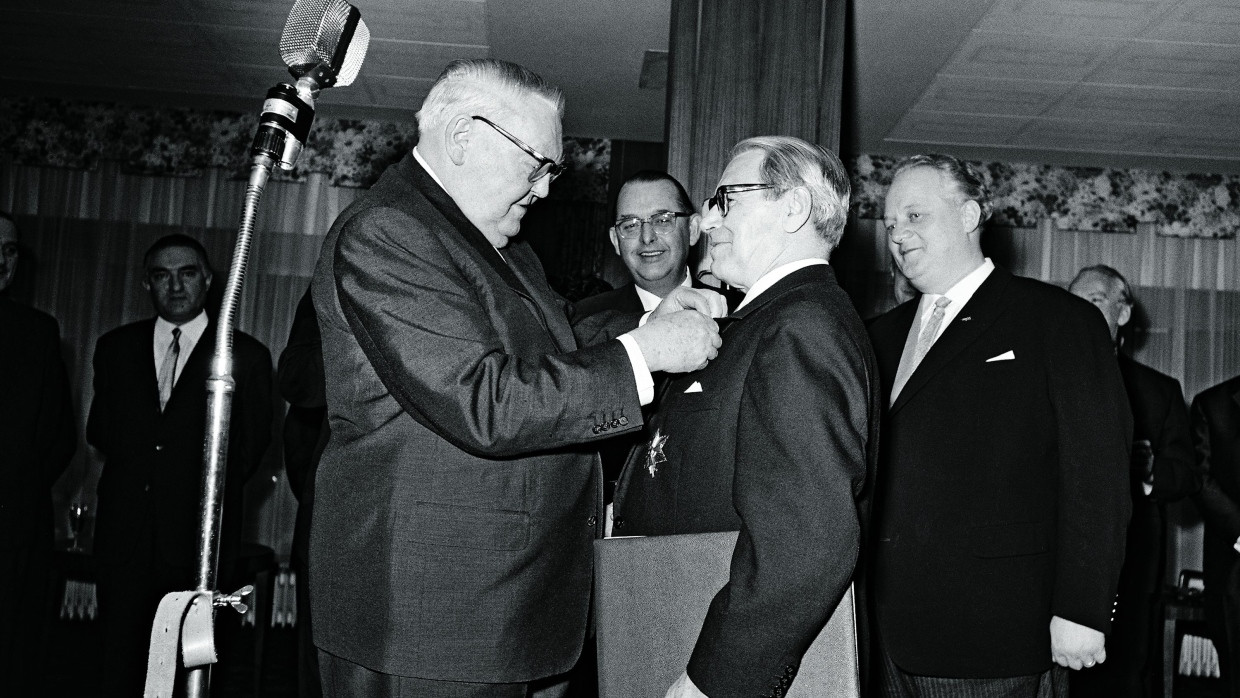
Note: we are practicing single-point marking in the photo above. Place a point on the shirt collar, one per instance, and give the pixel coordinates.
(194, 327)
(650, 301)
(963, 290)
(775, 275)
(422, 161)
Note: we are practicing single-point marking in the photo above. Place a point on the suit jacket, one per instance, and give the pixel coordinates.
(1004, 494)
(37, 433)
(152, 476)
(780, 443)
(1160, 416)
(1216, 436)
(458, 497)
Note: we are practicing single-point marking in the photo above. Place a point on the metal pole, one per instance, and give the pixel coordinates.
(220, 387)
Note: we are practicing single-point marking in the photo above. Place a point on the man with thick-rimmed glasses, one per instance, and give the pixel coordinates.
(458, 498)
(777, 437)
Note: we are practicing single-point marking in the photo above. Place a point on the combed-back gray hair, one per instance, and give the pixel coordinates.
(1116, 278)
(789, 163)
(969, 182)
(483, 86)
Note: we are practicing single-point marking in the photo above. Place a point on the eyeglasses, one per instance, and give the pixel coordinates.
(663, 223)
(161, 277)
(546, 166)
(720, 199)
(9, 249)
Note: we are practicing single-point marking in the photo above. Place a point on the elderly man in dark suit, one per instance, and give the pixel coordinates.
(459, 495)
(1162, 471)
(1003, 498)
(37, 439)
(148, 420)
(1216, 437)
(777, 438)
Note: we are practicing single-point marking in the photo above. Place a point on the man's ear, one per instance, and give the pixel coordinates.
(457, 135)
(1124, 315)
(207, 276)
(615, 239)
(970, 215)
(146, 284)
(797, 209)
(695, 228)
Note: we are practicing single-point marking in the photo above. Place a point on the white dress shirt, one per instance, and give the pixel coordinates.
(959, 296)
(651, 301)
(191, 332)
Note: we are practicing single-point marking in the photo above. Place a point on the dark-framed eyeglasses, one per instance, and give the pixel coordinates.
(720, 199)
(546, 166)
(9, 249)
(663, 223)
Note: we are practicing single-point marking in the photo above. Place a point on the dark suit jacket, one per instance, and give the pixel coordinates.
(780, 443)
(37, 434)
(1159, 416)
(1003, 497)
(1216, 436)
(457, 500)
(152, 475)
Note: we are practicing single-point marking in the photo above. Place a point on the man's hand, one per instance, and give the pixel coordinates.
(705, 301)
(1076, 646)
(684, 688)
(679, 342)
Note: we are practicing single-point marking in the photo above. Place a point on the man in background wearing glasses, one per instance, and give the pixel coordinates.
(777, 437)
(458, 498)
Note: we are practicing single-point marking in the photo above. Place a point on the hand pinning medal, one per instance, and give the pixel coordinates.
(654, 454)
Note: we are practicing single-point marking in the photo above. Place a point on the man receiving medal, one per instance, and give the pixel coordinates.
(777, 437)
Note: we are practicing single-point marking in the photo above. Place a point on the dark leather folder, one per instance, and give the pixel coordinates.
(651, 596)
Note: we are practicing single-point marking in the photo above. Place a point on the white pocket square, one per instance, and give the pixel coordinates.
(695, 388)
(1005, 356)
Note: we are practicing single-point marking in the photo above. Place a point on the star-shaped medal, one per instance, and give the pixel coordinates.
(654, 454)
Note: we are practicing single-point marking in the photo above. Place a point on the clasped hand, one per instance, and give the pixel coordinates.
(680, 335)
(1076, 646)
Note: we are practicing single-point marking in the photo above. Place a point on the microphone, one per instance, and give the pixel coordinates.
(323, 44)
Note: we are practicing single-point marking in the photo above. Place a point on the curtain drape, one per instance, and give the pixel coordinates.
(84, 233)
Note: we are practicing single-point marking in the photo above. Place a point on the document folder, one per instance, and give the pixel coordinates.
(651, 596)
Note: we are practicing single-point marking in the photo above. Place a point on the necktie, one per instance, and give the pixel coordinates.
(909, 361)
(168, 369)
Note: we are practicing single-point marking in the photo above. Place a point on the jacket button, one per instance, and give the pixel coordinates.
(159, 447)
(624, 421)
(146, 488)
(595, 429)
(592, 521)
(617, 522)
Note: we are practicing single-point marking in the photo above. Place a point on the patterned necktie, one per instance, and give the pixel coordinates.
(925, 339)
(168, 370)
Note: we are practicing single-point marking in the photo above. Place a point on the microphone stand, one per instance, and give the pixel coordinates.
(283, 128)
(220, 388)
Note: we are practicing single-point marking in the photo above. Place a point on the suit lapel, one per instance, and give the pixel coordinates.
(197, 367)
(971, 323)
(468, 231)
(511, 265)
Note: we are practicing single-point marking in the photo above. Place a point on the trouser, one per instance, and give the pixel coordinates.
(894, 682)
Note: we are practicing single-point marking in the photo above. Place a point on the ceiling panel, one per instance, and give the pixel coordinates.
(1028, 56)
(1075, 18)
(1157, 63)
(414, 59)
(983, 95)
(1200, 21)
(946, 127)
(1090, 102)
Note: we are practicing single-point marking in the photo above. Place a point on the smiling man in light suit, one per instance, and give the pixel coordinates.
(777, 437)
(1003, 499)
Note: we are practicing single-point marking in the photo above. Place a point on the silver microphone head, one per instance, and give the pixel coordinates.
(326, 40)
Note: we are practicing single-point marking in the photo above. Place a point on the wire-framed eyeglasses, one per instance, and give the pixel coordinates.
(546, 166)
(663, 223)
(720, 199)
